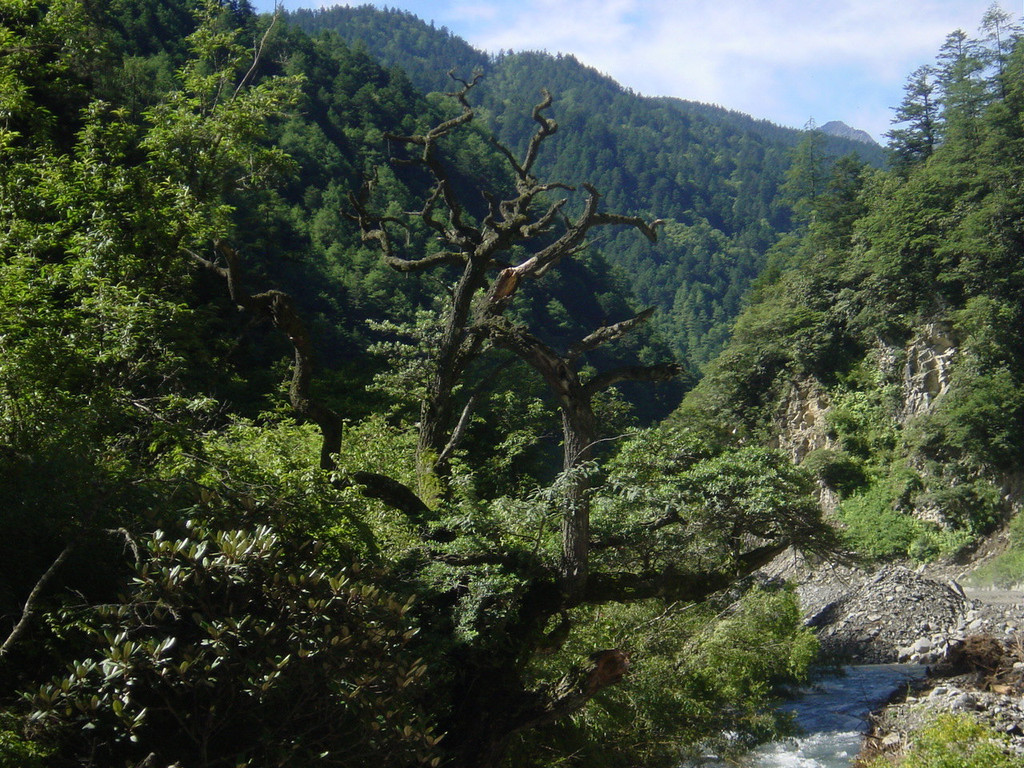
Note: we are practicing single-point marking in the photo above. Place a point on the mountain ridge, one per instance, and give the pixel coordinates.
(715, 174)
(842, 130)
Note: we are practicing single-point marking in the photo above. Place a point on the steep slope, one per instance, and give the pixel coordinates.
(712, 174)
(888, 354)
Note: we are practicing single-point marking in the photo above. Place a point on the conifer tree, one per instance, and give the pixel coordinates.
(919, 114)
(963, 90)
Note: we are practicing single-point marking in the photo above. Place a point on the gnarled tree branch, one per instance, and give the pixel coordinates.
(607, 333)
(31, 605)
(684, 586)
(278, 308)
(651, 373)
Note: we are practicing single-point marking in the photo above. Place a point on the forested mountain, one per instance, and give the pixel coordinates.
(885, 347)
(315, 442)
(714, 175)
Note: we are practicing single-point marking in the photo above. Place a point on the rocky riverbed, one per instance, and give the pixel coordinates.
(971, 641)
(900, 615)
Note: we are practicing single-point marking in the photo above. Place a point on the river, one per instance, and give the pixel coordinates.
(832, 715)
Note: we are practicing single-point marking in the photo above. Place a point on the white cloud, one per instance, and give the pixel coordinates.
(776, 60)
(784, 60)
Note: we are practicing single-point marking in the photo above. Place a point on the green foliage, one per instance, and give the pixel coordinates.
(836, 469)
(805, 177)
(955, 741)
(887, 258)
(15, 750)
(245, 473)
(919, 110)
(107, 355)
(863, 423)
(698, 673)
(720, 493)
(1005, 570)
(792, 335)
(713, 173)
(132, 394)
(233, 649)
(978, 421)
(875, 527)
(207, 137)
(973, 506)
(45, 65)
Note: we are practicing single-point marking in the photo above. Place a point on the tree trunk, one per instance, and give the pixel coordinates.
(437, 412)
(579, 431)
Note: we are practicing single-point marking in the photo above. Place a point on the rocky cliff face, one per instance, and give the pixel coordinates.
(923, 370)
(801, 422)
(920, 373)
(928, 369)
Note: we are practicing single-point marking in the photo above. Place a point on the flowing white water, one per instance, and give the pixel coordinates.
(833, 717)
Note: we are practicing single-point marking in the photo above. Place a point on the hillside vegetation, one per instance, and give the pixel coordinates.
(329, 422)
(715, 175)
(883, 347)
(322, 426)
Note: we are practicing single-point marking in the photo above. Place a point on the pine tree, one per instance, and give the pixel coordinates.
(919, 113)
(805, 178)
(1000, 35)
(964, 94)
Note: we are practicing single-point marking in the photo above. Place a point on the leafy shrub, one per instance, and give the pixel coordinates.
(836, 469)
(933, 542)
(266, 473)
(232, 649)
(955, 741)
(701, 677)
(980, 420)
(973, 505)
(863, 423)
(15, 750)
(875, 527)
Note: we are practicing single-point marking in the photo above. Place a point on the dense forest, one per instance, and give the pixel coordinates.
(331, 404)
(714, 175)
(899, 309)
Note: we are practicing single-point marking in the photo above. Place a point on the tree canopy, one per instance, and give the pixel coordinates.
(289, 473)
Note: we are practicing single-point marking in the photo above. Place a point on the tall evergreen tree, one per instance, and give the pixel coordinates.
(805, 179)
(919, 114)
(964, 94)
(999, 35)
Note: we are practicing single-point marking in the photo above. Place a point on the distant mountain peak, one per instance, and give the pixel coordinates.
(841, 129)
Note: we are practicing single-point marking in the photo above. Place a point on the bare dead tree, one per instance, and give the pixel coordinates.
(490, 260)
(485, 288)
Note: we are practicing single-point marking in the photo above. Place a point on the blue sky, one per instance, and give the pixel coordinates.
(787, 61)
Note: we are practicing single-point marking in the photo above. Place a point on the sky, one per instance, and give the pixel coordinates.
(787, 61)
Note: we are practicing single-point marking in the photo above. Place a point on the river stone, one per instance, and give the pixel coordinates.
(911, 617)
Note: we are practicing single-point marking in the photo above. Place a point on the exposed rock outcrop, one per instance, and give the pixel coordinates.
(802, 426)
(841, 129)
(928, 369)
